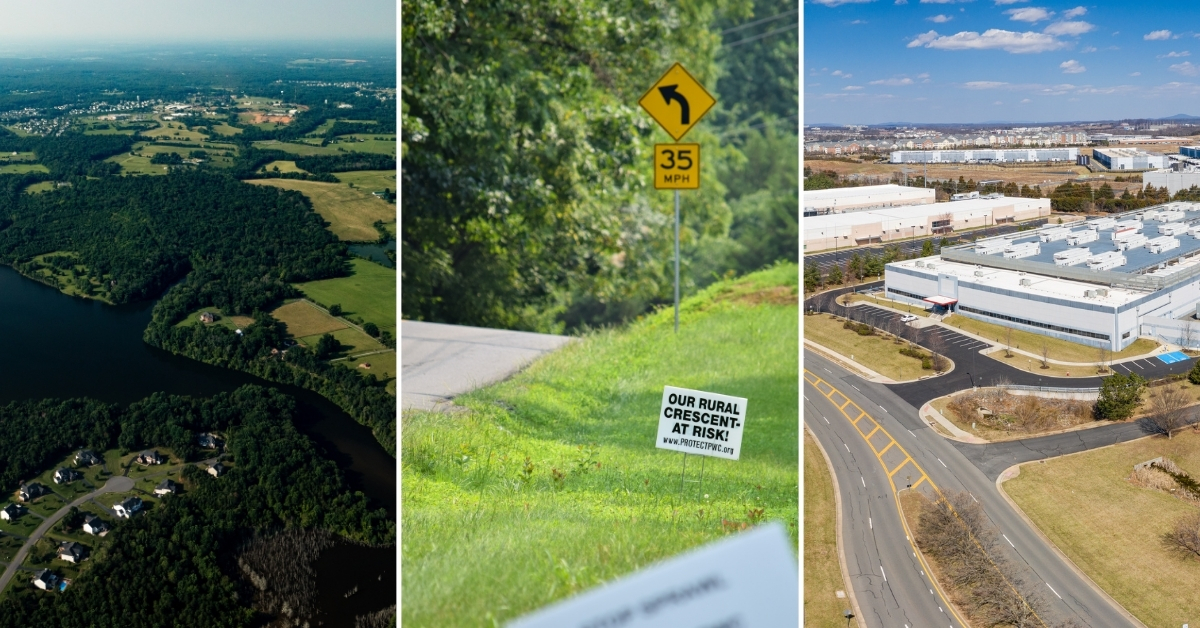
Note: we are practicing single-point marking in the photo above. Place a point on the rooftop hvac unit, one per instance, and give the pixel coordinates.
(1165, 243)
(1102, 224)
(1149, 215)
(1101, 292)
(992, 247)
(1053, 235)
(1083, 237)
(1106, 261)
(1121, 224)
(931, 266)
(1025, 249)
(1089, 293)
(1172, 228)
(1194, 231)
(1026, 282)
(1122, 233)
(920, 264)
(1132, 242)
(979, 273)
(1070, 257)
(1170, 215)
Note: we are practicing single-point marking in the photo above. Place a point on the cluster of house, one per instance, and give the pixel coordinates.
(883, 145)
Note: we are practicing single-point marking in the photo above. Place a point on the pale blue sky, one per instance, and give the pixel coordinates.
(75, 22)
(873, 61)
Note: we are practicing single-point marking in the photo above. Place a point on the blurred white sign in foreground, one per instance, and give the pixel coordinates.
(747, 581)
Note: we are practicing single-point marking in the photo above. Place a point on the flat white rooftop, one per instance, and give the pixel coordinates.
(974, 205)
(1011, 280)
(868, 195)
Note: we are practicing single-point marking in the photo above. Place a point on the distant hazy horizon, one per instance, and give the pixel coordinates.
(54, 25)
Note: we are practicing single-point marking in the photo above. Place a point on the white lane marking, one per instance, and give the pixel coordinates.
(1051, 589)
(827, 421)
(931, 592)
(1139, 368)
(973, 497)
(882, 572)
(806, 398)
(870, 524)
(855, 387)
(913, 435)
(863, 481)
(884, 409)
(847, 447)
(943, 464)
(1009, 540)
(827, 370)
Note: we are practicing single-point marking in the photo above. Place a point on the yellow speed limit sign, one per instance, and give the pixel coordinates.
(676, 166)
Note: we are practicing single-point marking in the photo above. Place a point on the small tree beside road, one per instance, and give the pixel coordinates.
(1119, 396)
(1169, 408)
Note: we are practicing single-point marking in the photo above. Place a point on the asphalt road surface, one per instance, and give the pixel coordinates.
(875, 541)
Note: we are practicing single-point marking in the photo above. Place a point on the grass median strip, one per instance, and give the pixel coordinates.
(822, 575)
(875, 352)
(1061, 350)
(1112, 529)
(549, 483)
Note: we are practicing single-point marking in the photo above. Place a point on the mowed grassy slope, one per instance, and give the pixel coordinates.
(351, 213)
(822, 572)
(550, 484)
(1112, 529)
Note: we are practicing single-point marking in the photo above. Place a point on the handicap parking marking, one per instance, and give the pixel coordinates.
(1172, 357)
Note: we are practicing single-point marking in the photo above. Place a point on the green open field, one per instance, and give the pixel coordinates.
(225, 129)
(368, 295)
(41, 186)
(133, 164)
(1112, 529)
(549, 484)
(874, 352)
(302, 319)
(301, 149)
(282, 166)
(351, 213)
(19, 168)
(822, 573)
(17, 131)
(368, 143)
(353, 341)
(17, 157)
(1061, 350)
(383, 367)
(369, 180)
(232, 322)
(65, 278)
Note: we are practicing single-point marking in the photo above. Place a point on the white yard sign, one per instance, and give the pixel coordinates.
(747, 581)
(703, 423)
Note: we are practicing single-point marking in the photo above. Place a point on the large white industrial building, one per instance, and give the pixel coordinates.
(898, 223)
(1104, 283)
(1009, 155)
(1128, 159)
(1181, 172)
(838, 200)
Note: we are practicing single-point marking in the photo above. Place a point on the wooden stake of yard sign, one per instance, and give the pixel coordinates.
(700, 423)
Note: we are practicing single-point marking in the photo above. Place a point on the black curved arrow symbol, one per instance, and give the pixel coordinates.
(668, 93)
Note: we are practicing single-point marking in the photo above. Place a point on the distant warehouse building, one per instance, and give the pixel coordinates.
(1128, 159)
(898, 223)
(1181, 172)
(838, 200)
(1101, 283)
(1007, 155)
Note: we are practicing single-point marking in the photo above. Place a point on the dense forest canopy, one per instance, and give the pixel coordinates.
(526, 161)
(171, 566)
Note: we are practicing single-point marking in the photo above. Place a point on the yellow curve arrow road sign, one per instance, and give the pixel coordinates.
(677, 101)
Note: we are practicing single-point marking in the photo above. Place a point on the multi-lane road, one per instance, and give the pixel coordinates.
(878, 445)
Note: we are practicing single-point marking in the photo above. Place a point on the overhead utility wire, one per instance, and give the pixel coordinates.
(757, 37)
(756, 22)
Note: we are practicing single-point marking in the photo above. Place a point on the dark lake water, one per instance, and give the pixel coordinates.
(53, 345)
(375, 252)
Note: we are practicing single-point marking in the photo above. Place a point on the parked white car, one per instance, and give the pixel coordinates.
(908, 318)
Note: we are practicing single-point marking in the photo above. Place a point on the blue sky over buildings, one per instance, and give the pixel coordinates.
(878, 61)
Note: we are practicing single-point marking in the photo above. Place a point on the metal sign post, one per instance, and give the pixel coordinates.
(677, 263)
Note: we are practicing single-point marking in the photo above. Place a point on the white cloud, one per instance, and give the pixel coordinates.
(1186, 68)
(998, 102)
(851, 88)
(834, 3)
(1025, 101)
(985, 84)
(901, 1)
(1089, 49)
(1071, 29)
(1029, 14)
(841, 74)
(1156, 35)
(1076, 12)
(893, 81)
(940, 19)
(1175, 55)
(1135, 74)
(1072, 67)
(995, 38)
(859, 22)
(942, 1)
(1004, 2)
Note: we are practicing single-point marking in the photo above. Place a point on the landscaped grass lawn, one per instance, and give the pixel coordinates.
(822, 573)
(1061, 350)
(302, 319)
(550, 483)
(1112, 529)
(874, 352)
(283, 166)
(232, 322)
(369, 143)
(895, 305)
(351, 213)
(383, 366)
(353, 341)
(369, 180)
(369, 294)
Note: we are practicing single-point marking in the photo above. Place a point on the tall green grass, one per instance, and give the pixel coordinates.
(549, 483)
